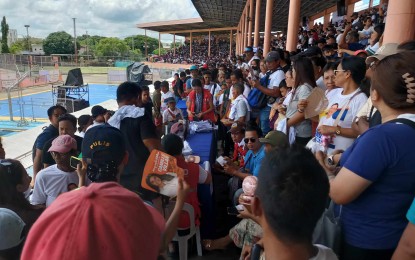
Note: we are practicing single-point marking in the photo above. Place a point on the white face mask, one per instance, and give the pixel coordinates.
(207, 87)
(27, 193)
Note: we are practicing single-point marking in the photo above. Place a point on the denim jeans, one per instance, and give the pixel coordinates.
(264, 120)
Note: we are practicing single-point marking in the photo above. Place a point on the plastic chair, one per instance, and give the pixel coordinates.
(194, 230)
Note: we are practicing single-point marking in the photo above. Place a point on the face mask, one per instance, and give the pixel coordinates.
(254, 67)
(207, 87)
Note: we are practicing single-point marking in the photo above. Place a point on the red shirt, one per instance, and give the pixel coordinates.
(239, 152)
(191, 176)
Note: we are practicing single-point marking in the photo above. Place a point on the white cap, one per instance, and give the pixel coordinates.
(11, 227)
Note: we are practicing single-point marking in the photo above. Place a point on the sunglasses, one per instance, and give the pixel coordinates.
(7, 165)
(252, 139)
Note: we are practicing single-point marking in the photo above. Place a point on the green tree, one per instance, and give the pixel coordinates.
(178, 44)
(59, 43)
(139, 42)
(18, 46)
(162, 51)
(111, 47)
(4, 35)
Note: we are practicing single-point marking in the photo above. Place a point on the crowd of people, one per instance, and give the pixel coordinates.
(326, 125)
(219, 52)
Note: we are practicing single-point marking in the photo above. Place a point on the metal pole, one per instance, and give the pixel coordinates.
(209, 46)
(145, 33)
(159, 45)
(87, 46)
(174, 44)
(27, 33)
(74, 35)
(9, 98)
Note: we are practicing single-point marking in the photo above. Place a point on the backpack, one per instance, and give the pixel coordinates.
(256, 98)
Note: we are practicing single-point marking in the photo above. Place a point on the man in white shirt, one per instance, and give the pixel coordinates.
(249, 55)
(58, 178)
(270, 88)
(165, 94)
(290, 202)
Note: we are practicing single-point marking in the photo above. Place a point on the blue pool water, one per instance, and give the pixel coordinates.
(36, 105)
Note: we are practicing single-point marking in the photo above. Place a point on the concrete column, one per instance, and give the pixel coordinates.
(402, 13)
(209, 46)
(159, 45)
(326, 20)
(257, 21)
(191, 40)
(251, 17)
(230, 43)
(350, 9)
(268, 25)
(243, 30)
(293, 21)
(174, 44)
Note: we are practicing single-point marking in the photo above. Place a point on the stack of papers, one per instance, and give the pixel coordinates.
(200, 126)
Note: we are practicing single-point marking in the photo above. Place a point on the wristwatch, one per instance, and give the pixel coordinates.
(338, 132)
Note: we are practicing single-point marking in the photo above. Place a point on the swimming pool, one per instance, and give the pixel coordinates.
(36, 105)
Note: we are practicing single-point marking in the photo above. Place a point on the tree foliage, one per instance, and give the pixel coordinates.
(162, 51)
(4, 35)
(139, 42)
(111, 47)
(59, 43)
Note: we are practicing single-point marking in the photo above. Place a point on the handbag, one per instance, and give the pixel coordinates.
(328, 229)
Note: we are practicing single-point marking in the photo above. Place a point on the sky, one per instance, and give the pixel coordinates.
(110, 18)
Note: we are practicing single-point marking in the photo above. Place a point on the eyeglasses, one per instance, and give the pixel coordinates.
(335, 71)
(252, 139)
(6, 164)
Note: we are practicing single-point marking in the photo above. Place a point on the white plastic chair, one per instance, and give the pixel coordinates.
(194, 230)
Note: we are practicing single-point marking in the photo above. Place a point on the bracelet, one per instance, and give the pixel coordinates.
(300, 111)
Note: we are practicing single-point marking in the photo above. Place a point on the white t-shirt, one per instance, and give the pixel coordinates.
(320, 83)
(50, 183)
(203, 174)
(275, 79)
(213, 89)
(338, 38)
(167, 115)
(163, 105)
(247, 89)
(336, 102)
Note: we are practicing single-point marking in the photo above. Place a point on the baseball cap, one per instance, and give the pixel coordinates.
(101, 221)
(63, 144)
(193, 67)
(103, 143)
(170, 99)
(249, 49)
(275, 138)
(383, 52)
(272, 56)
(11, 228)
(237, 127)
(359, 51)
(98, 110)
(205, 66)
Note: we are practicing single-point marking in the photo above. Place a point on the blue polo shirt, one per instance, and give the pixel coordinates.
(253, 160)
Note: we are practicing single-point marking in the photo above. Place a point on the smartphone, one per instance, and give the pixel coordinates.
(233, 211)
(74, 162)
